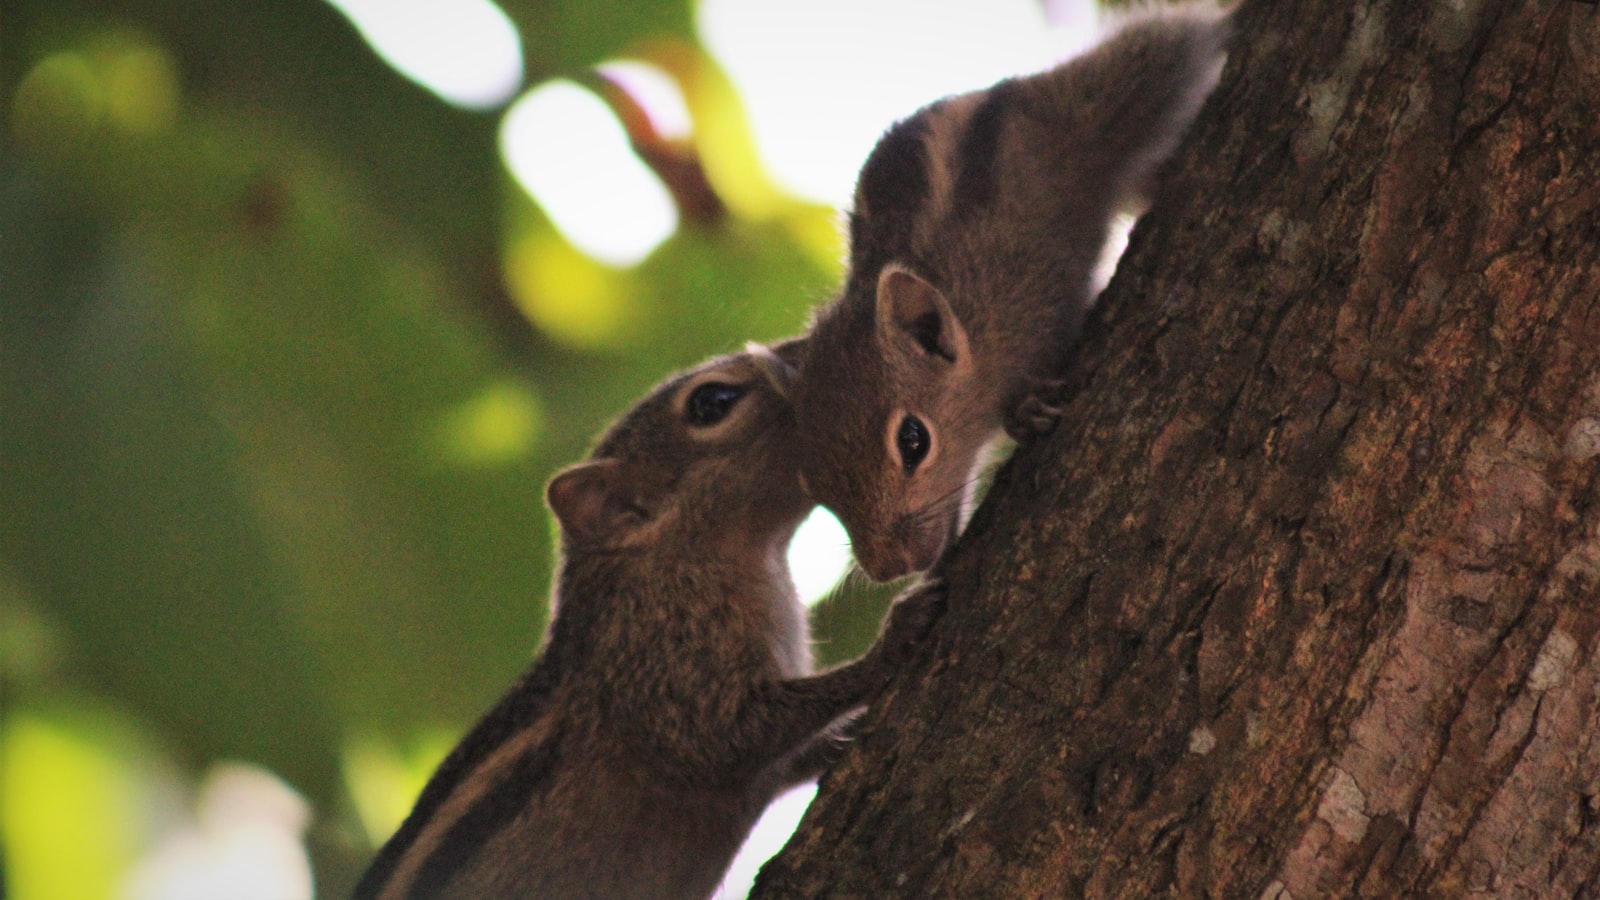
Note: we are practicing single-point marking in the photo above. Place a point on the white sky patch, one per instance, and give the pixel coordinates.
(774, 829)
(823, 79)
(466, 51)
(567, 149)
(654, 90)
(1111, 253)
(244, 842)
(818, 555)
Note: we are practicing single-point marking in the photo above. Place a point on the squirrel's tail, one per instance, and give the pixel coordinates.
(1044, 157)
(1113, 115)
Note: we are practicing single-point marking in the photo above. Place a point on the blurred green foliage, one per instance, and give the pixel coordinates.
(274, 428)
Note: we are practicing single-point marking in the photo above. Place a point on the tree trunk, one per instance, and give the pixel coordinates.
(1302, 598)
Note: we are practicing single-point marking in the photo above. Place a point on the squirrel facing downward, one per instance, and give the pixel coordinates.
(976, 227)
(673, 697)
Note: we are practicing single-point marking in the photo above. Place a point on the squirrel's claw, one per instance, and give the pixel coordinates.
(1038, 411)
(912, 617)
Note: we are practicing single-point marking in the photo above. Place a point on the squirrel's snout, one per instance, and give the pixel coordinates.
(898, 556)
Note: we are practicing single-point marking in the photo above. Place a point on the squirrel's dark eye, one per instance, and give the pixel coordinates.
(912, 441)
(710, 402)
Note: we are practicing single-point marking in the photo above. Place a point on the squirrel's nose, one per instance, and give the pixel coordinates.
(883, 568)
(886, 560)
(882, 560)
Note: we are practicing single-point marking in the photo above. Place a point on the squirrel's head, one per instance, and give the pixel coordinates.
(882, 444)
(888, 441)
(709, 457)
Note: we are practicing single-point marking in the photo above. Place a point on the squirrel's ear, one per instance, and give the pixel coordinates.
(592, 502)
(781, 373)
(913, 313)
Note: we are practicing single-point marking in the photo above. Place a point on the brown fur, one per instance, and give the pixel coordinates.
(996, 206)
(674, 696)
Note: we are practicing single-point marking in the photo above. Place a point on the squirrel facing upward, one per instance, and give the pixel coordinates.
(673, 698)
(976, 227)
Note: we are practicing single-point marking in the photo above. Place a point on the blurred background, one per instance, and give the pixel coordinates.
(302, 302)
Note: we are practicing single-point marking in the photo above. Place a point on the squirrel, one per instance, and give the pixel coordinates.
(976, 228)
(673, 696)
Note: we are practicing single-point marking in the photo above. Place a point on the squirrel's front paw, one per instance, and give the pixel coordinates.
(1038, 410)
(911, 618)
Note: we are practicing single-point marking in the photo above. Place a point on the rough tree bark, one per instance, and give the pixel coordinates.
(1303, 596)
